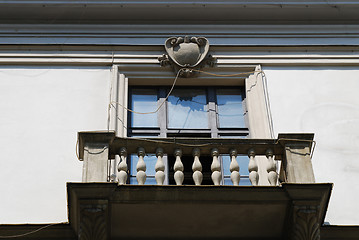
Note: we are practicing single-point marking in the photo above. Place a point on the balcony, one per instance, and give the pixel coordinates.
(97, 148)
(287, 205)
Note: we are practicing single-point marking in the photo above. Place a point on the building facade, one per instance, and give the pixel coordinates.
(75, 66)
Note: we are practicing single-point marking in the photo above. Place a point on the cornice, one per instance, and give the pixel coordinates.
(218, 34)
(147, 58)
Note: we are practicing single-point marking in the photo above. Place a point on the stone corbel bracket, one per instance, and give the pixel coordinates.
(188, 54)
(308, 206)
(306, 222)
(94, 223)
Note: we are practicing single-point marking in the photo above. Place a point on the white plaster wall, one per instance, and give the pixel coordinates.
(43, 108)
(41, 111)
(325, 101)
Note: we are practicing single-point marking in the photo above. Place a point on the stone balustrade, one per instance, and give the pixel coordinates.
(292, 150)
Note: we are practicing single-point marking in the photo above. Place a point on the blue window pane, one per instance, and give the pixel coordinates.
(144, 100)
(232, 136)
(226, 161)
(133, 181)
(244, 181)
(243, 162)
(149, 181)
(187, 108)
(143, 136)
(230, 110)
(150, 161)
(227, 181)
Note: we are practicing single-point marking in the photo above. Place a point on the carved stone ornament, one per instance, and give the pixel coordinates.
(306, 224)
(93, 225)
(186, 53)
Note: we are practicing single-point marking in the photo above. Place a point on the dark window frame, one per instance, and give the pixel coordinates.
(162, 116)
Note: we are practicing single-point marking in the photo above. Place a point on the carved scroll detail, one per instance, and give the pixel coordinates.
(306, 225)
(93, 222)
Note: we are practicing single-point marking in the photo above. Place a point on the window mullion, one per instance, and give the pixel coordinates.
(162, 112)
(212, 112)
(162, 123)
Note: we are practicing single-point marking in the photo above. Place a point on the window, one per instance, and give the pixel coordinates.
(205, 112)
(213, 112)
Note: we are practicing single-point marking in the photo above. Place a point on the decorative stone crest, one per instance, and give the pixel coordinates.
(186, 53)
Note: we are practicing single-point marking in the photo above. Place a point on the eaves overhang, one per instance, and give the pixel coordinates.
(146, 11)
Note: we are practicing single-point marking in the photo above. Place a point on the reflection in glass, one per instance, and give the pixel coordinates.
(243, 182)
(242, 160)
(144, 100)
(150, 161)
(233, 136)
(149, 181)
(187, 108)
(230, 110)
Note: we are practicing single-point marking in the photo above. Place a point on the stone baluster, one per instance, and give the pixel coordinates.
(141, 166)
(122, 167)
(160, 167)
(197, 167)
(253, 168)
(216, 167)
(234, 167)
(178, 167)
(116, 162)
(271, 168)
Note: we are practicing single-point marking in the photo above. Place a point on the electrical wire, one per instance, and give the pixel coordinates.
(209, 143)
(34, 231)
(77, 151)
(173, 85)
(99, 152)
(264, 79)
(163, 102)
(199, 145)
(300, 140)
(224, 75)
(111, 87)
(173, 142)
(267, 102)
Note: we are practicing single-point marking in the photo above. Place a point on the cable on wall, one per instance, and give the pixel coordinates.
(266, 97)
(224, 75)
(34, 231)
(267, 102)
(173, 85)
(111, 104)
(158, 108)
(111, 87)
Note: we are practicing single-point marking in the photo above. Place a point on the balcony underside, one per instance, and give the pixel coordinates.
(192, 212)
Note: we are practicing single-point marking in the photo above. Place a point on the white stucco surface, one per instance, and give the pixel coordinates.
(43, 108)
(41, 111)
(324, 101)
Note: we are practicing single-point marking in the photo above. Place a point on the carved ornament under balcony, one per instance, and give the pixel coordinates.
(93, 221)
(306, 223)
(186, 53)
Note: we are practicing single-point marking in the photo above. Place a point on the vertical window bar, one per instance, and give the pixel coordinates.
(162, 112)
(212, 112)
